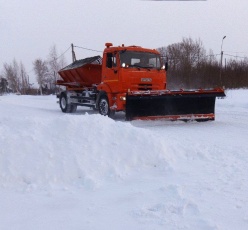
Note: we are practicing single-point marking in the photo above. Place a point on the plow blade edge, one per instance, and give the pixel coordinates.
(172, 106)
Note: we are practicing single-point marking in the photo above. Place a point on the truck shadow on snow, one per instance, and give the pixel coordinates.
(119, 116)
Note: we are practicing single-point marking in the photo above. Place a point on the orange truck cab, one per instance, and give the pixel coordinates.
(132, 68)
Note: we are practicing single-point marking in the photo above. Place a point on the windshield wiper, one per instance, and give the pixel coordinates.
(141, 67)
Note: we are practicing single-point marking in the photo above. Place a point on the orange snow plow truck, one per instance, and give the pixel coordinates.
(131, 79)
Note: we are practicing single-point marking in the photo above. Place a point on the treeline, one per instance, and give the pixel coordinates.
(14, 77)
(190, 67)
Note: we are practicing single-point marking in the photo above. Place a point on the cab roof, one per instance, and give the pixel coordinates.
(111, 48)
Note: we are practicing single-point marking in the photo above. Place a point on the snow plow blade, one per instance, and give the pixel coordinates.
(172, 105)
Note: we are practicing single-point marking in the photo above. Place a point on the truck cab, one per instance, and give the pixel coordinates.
(128, 69)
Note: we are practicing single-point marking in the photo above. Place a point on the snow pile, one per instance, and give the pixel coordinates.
(86, 171)
(63, 150)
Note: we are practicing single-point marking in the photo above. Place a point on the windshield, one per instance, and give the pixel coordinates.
(140, 59)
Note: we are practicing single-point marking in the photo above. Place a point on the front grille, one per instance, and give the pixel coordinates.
(145, 87)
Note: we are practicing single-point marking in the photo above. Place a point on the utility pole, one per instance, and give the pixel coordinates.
(221, 58)
(73, 53)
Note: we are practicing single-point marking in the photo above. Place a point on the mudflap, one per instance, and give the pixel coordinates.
(172, 106)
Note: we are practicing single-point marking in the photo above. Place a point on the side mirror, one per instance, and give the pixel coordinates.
(165, 66)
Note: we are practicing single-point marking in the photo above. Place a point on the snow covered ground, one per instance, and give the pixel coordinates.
(85, 171)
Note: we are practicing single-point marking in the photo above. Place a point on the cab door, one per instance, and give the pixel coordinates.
(110, 71)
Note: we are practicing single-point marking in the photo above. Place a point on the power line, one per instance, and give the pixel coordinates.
(54, 59)
(235, 52)
(88, 49)
(234, 56)
(62, 53)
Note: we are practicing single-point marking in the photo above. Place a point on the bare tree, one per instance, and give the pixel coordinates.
(16, 76)
(24, 79)
(11, 73)
(3, 85)
(55, 63)
(42, 74)
(235, 74)
(62, 62)
(185, 61)
(53, 66)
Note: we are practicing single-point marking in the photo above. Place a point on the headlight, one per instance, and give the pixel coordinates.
(122, 98)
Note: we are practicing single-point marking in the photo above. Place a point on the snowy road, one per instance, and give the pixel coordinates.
(85, 171)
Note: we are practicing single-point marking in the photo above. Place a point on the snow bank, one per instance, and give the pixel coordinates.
(40, 151)
(86, 171)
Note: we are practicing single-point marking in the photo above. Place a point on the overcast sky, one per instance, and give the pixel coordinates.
(29, 28)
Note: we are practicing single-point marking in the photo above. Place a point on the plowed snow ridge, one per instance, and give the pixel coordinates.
(86, 171)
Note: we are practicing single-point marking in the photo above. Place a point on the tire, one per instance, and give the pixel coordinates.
(103, 106)
(65, 106)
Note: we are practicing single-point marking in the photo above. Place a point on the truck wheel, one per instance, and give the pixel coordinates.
(103, 106)
(63, 102)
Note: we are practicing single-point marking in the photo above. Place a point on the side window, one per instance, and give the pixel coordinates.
(111, 60)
